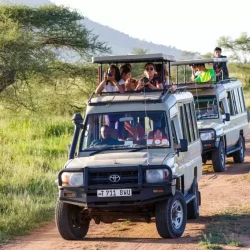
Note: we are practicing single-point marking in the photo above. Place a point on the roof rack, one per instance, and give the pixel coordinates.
(198, 86)
(198, 61)
(228, 80)
(159, 57)
(151, 96)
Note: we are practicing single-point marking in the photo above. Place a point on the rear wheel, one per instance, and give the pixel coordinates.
(171, 216)
(193, 209)
(239, 155)
(70, 222)
(219, 158)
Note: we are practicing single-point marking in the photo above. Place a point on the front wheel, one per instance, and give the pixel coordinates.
(70, 222)
(219, 158)
(171, 216)
(239, 155)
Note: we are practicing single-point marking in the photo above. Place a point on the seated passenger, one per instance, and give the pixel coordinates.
(151, 80)
(106, 138)
(159, 137)
(135, 130)
(205, 75)
(211, 111)
(111, 82)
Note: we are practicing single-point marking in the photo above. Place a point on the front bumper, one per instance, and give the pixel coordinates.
(142, 193)
(208, 146)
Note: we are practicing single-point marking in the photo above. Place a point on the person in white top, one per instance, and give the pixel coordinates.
(111, 82)
(125, 74)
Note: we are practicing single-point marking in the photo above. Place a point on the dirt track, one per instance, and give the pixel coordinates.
(219, 192)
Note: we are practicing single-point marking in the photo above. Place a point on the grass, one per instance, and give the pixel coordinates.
(33, 151)
(226, 228)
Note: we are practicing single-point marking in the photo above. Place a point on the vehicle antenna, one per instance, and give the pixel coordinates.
(145, 109)
(197, 99)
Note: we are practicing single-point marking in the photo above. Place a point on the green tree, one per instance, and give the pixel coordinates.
(37, 45)
(239, 49)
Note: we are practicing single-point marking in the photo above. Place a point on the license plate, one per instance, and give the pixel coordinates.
(114, 192)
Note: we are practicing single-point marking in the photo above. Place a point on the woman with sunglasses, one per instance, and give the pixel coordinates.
(151, 80)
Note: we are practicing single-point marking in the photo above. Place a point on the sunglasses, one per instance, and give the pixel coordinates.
(150, 68)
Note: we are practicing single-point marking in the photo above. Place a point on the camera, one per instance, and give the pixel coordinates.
(110, 74)
(145, 79)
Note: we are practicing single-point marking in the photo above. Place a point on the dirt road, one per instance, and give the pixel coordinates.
(221, 192)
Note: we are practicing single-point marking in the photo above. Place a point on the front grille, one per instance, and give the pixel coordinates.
(102, 178)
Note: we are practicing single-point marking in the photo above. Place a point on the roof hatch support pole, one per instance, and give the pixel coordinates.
(185, 74)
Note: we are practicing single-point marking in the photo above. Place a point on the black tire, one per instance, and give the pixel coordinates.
(219, 158)
(193, 208)
(69, 223)
(239, 156)
(171, 216)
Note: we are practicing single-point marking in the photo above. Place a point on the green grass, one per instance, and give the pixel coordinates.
(32, 152)
(226, 228)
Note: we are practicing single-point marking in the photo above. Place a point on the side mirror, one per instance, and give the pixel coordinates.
(227, 119)
(183, 145)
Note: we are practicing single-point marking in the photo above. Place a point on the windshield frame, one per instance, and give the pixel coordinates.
(212, 97)
(123, 146)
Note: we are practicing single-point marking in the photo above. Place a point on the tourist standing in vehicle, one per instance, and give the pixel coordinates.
(111, 82)
(205, 75)
(158, 68)
(220, 67)
(151, 80)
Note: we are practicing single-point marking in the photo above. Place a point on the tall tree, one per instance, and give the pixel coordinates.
(33, 39)
(240, 52)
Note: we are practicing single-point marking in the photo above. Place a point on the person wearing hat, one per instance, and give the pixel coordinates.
(220, 68)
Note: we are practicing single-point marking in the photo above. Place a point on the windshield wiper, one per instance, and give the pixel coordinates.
(149, 146)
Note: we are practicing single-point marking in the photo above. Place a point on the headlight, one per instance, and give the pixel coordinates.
(156, 175)
(207, 136)
(72, 179)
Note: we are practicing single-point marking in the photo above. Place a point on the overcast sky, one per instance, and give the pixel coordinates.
(192, 25)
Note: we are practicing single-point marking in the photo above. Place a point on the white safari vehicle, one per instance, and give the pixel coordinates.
(221, 115)
(136, 177)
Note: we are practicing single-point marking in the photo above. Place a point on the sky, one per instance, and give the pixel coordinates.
(191, 25)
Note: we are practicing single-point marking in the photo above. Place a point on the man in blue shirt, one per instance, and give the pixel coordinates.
(106, 138)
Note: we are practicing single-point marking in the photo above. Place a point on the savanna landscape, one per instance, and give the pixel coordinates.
(40, 89)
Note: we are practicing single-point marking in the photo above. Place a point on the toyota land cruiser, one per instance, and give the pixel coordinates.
(221, 114)
(139, 175)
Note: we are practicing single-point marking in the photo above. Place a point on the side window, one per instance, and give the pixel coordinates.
(234, 103)
(174, 134)
(243, 100)
(194, 122)
(229, 100)
(237, 101)
(183, 124)
(221, 108)
(189, 122)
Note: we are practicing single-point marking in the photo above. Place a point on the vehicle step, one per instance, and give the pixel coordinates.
(233, 150)
(189, 197)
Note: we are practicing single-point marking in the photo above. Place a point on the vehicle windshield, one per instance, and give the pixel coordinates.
(125, 130)
(206, 108)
